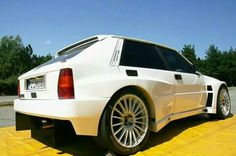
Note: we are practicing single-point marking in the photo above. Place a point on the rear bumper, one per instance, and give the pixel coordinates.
(84, 114)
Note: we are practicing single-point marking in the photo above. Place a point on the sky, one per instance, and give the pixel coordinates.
(50, 25)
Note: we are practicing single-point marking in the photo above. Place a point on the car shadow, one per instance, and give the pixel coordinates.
(84, 146)
(79, 146)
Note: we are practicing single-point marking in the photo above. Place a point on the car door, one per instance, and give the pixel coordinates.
(145, 67)
(189, 87)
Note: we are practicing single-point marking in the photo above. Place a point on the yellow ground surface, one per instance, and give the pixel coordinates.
(197, 135)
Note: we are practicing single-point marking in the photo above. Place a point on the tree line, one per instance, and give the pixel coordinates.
(16, 59)
(216, 63)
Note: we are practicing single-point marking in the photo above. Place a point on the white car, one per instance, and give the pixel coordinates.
(118, 89)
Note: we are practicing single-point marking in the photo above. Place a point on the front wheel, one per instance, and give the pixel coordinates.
(124, 125)
(223, 103)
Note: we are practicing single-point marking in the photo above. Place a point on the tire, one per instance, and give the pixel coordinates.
(223, 103)
(124, 127)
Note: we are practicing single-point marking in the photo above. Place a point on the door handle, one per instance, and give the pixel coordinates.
(178, 77)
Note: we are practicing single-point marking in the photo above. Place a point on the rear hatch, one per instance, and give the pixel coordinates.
(42, 81)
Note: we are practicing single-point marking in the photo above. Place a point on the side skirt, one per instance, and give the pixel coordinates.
(158, 125)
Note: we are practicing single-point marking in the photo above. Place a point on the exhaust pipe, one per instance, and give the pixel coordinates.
(46, 124)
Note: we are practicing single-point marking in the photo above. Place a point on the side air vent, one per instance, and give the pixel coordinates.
(132, 72)
(209, 88)
(209, 100)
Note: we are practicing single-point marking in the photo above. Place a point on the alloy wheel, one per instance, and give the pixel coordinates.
(129, 121)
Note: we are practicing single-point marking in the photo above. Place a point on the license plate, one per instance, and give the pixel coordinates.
(36, 83)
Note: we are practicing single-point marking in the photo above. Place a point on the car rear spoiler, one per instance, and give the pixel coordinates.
(77, 44)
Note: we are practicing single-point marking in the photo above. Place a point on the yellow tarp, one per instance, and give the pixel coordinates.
(197, 135)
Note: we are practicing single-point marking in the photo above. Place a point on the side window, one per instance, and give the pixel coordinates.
(137, 54)
(176, 61)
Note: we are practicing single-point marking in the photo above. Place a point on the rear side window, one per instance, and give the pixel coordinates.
(176, 61)
(137, 54)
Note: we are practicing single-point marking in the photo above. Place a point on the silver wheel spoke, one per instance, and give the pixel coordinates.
(138, 112)
(130, 103)
(119, 130)
(140, 117)
(118, 112)
(136, 109)
(121, 136)
(134, 136)
(137, 132)
(143, 123)
(118, 124)
(224, 101)
(117, 117)
(129, 121)
(139, 128)
(126, 105)
(134, 104)
(126, 136)
(122, 107)
(130, 138)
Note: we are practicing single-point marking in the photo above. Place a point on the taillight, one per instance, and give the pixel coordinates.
(65, 84)
(18, 89)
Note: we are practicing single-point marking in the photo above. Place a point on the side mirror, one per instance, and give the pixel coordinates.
(195, 71)
(198, 73)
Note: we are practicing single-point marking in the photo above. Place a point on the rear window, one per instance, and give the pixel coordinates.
(68, 53)
(138, 54)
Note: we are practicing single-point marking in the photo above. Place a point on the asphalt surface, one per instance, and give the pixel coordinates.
(232, 93)
(7, 100)
(7, 114)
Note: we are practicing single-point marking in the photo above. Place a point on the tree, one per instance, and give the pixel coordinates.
(15, 59)
(213, 61)
(227, 68)
(189, 52)
(200, 64)
(10, 50)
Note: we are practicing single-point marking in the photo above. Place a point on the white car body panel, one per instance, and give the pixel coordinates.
(82, 113)
(189, 92)
(98, 76)
(216, 84)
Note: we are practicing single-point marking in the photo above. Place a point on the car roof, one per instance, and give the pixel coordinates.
(101, 37)
(143, 41)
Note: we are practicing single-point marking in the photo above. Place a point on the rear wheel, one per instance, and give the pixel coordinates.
(223, 103)
(124, 125)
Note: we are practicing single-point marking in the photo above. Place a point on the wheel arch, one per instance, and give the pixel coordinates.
(223, 85)
(216, 86)
(146, 95)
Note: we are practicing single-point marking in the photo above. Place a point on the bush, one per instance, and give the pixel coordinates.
(9, 86)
